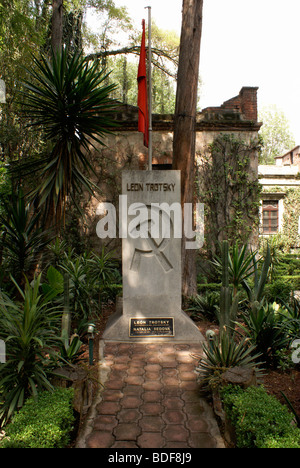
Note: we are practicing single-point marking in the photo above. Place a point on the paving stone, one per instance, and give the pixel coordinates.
(151, 397)
(114, 384)
(188, 375)
(151, 440)
(137, 363)
(176, 433)
(152, 385)
(182, 347)
(127, 431)
(112, 395)
(126, 444)
(170, 381)
(125, 347)
(152, 376)
(178, 445)
(169, 363)
(151, 408)
(118, 375)
(153, 368)
(168, 391)
(129, 415)
(169, 372)
(100, 439)
(105, 422)
(122, 359)
(174, 403)
(135, 371)
(134, 380)
(186, 367)
(174, 417)
(152, 424)
(131, 401)
(107, 407)
(132, 390)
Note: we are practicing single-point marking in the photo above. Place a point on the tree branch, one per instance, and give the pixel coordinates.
(135, 50)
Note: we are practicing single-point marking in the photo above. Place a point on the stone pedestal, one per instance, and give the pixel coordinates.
(151, 258)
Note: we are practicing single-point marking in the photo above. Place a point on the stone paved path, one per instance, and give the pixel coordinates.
(150, 400)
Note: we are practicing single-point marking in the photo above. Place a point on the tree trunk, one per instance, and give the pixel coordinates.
(184, 122)
(57, 25)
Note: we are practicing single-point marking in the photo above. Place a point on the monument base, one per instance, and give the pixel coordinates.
(119, 328)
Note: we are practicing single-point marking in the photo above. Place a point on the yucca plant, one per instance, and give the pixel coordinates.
(264, 328)
(68, 97)
(30, 329)
(22, 236)
(240, 261)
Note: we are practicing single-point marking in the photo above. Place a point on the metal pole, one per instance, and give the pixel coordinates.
(150, 86)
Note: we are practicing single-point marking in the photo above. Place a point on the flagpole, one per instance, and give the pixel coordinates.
(150, 86)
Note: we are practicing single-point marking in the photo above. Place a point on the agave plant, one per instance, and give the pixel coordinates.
(223, 353)
(68, 97)
(256, 293)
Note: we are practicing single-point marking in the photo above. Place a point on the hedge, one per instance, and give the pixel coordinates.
(259, 419)
(45, 422)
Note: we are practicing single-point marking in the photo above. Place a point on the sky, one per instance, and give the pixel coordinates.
(243, 43)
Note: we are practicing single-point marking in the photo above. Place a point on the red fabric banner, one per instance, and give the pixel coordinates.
(143, 122)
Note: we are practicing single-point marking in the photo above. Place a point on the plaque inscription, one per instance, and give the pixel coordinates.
(143, 327)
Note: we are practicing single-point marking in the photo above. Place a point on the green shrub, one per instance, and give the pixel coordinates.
(205, 305)
(293, 280)
(278, 290)
(204, 287)
(264, 329)
(259, 419)
(45, 422)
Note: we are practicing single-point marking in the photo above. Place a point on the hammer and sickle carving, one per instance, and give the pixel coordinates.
(154, 248)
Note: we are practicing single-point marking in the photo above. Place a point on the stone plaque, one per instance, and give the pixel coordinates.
(151, 258)
(153, 327)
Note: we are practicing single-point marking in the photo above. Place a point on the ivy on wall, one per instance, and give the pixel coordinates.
(229, 188)
(291, 213)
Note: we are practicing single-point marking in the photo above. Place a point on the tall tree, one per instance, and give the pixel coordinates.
(185, 119)
(57, 24)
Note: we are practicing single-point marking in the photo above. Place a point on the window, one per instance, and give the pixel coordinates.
(270, 216)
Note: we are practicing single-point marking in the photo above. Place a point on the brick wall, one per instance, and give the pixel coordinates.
(245, 103)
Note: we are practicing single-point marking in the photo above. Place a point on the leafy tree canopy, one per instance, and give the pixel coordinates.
(275, 133)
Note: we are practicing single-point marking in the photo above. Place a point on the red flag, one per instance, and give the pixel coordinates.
(143, 124)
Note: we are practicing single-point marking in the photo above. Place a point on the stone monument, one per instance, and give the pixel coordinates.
(151, 258)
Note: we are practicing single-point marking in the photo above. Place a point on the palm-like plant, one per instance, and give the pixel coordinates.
(241, 264)
(22, 236)
(67, 97)
(30, 329)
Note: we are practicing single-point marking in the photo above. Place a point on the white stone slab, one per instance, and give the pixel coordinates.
(152, 266)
